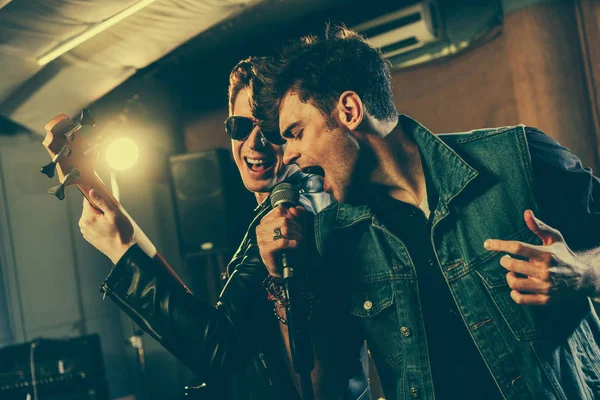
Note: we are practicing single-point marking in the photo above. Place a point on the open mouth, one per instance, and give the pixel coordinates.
(315, 170)
(259, 164)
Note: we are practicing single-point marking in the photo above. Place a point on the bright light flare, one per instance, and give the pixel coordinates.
(122, 154)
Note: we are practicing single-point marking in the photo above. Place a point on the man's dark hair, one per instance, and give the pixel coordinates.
(319, 70)
(247, 74)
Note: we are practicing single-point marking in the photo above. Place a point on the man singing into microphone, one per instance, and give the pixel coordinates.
(435, 236)
(246, 332)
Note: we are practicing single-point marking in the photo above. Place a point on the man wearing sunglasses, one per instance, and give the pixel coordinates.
(246, 333)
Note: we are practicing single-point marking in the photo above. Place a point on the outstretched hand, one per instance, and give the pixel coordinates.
(546, 273)
(107, 229)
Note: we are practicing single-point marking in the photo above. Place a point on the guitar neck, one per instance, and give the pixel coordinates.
(93, 181)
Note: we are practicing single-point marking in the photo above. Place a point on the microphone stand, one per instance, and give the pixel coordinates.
(300, 345)
(136, 342)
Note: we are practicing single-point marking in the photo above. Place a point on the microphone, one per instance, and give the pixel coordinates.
(285, 195)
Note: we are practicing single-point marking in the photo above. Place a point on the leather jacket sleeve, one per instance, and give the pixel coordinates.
(212, 341)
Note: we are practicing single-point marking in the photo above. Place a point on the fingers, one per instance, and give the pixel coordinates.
(279, 245)
(534, 270)
(289, 212)
(293, 232)
(92, 216)
(289, 223)
(530, 299)
(290, 230)
(88, 213)
(528, 285)
(104, 203)
(297, 212)
(516, 248)
(549, 272)
(547, 234)
(88, 209)
(535, 288)
(282, 223)
(279, 218)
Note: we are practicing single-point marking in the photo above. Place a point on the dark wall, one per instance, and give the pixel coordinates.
(532, 73)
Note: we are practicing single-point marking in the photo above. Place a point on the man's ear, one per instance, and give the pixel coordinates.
(350, 109)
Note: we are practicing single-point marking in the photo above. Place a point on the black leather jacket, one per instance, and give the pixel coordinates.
(239, 337)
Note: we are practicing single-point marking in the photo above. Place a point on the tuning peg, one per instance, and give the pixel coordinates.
(85, 118)
(49, 168)
(59, 190)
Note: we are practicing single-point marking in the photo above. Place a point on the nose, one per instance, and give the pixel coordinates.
(256, 140)
(291, 154)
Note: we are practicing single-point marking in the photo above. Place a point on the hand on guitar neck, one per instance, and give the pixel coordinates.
(104, 223)
(105, 227)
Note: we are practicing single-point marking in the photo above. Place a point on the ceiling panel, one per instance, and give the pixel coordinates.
(31, 94)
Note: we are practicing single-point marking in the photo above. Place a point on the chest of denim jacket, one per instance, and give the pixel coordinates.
(382, 280)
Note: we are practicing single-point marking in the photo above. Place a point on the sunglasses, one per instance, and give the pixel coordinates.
(239, 128)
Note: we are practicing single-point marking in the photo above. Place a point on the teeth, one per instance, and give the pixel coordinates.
(256, 162)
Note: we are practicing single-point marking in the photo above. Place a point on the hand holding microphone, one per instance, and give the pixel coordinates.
(281, 230)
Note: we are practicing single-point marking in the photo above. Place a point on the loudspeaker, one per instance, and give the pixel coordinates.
(49, 369)
(212, 207)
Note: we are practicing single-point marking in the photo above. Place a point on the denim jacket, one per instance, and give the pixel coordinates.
(485, 181)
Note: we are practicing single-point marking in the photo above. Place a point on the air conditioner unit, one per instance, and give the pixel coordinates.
(403, 30)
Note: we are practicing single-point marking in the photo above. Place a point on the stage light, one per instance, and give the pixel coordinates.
(122, 154)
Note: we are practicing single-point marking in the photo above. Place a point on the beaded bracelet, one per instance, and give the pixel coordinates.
(281, 319)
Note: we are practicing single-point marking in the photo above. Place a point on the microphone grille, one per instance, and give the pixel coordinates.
(284, 194)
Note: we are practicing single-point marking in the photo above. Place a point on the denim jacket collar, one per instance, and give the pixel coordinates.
(449, 173)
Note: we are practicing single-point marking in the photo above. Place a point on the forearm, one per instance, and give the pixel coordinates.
(198, 334)
(591, 258)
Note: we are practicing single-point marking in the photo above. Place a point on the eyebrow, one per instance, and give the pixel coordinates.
(287, 133)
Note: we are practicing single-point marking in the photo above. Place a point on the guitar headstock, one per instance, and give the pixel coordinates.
(73, 160)
(72, 157)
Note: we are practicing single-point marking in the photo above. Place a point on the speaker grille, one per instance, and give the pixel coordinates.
(211, 204)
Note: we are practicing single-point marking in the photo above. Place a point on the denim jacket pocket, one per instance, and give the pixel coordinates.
(522, 320)
(373, 303)
(369, 299)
